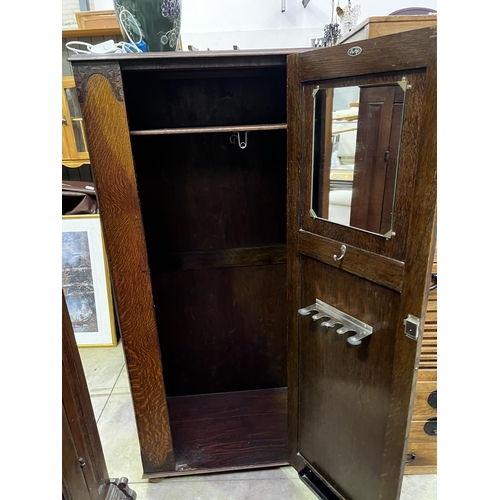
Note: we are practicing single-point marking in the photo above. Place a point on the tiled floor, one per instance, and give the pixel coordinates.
(109, 389)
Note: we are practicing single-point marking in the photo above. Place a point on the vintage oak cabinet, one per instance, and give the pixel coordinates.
(259, 328)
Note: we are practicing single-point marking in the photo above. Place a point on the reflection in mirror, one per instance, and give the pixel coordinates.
(357, 135)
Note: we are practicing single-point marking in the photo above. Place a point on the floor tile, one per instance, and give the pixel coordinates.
(123, 381)
(120, 443)
(274, 473)
(240, 488)
(270, 484)
(98, 403)
(419, 487)
(102, 366)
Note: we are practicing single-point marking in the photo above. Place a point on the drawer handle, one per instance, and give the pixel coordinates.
(433, 399)
(431, 427)
(410, 457)
(434, 281)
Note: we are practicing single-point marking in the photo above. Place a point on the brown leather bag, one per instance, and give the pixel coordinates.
(79, 197)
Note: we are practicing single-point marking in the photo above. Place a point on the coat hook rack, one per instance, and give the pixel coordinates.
(334, 317)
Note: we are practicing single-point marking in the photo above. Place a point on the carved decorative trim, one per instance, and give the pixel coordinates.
(111, 71)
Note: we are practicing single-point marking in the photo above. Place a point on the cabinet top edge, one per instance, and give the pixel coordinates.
(158, 56)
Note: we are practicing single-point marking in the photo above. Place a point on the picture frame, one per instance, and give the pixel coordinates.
(85, 281)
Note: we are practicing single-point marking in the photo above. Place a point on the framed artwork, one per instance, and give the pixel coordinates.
(85, 281)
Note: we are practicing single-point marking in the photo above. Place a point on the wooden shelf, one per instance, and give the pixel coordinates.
(234, 429)
(204, 130)
(79, 33)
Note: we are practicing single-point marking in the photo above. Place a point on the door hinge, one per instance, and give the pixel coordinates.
(412, 326)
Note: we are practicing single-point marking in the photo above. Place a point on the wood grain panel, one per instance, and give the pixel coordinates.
(368, 265)
(425, 458)
(200, 60)
(74, 486)
(192, 202)
(387, 25)
(418, 267)
(226, 430)
(421, 408)
(427, 375)
(378, 473)
(222, 330)
(250, 97)
(374, 58)
(80, 434)
(350, 384)
(212, 259)
(418, 435)
(113, 168)
(294, 148)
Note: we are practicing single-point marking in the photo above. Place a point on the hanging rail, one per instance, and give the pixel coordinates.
(204, 130)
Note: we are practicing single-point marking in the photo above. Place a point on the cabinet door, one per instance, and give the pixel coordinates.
(74, 143)
(358, 290)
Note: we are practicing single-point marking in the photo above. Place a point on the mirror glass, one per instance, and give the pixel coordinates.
(356, 142)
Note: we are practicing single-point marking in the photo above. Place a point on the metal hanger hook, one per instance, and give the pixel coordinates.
(242, 144)
(343, 249)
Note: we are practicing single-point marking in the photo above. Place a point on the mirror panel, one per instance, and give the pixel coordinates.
(356, 142)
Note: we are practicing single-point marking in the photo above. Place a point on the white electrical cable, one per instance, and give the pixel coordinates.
(125, 11)
(108, 47)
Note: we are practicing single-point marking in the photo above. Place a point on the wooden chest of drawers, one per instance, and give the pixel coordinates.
(386, 25)
(422, 442)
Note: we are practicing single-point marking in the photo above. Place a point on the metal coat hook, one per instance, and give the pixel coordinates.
(242, 144)
(343, 249)
(236, 137)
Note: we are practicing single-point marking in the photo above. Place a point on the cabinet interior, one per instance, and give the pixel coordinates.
(214, 217)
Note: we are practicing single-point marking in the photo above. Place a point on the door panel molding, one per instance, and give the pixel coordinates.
(371, 266)
(394, 248)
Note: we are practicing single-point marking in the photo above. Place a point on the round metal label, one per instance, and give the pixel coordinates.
(354, 51)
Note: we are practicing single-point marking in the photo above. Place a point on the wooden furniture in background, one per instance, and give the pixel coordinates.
(78, 33)
(97, 19)
(422, 443)
(74, 143)
(377, 26)
(84, 472)
(205, 199)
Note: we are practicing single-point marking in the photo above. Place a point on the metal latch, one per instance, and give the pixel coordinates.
(412, 326)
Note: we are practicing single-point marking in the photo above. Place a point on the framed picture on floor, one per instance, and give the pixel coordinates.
(85, 281)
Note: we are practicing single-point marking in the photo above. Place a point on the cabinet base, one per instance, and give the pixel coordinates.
(227, 432)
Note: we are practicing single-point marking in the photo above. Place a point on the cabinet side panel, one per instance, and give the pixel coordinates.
(293, 202)
(101, 96)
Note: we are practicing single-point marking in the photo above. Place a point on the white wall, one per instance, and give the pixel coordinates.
(220, 24)
(69, 7)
